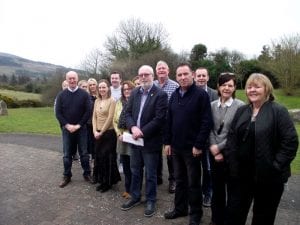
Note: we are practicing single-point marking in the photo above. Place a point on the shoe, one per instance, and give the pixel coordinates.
(159, 181)
(88, 178)
(173, 215)
(130, 204)
(149, 209)
(195, 219)
(105, 188)
(125, 195)
(99, 187)
(172, 187)
(65, 182)
(206, 201)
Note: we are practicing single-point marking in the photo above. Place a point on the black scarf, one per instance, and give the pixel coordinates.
(122, 118)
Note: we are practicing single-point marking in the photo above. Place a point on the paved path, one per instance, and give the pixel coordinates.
(30, 171)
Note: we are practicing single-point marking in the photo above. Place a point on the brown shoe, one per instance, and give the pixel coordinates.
(65, 182)
(88, 178)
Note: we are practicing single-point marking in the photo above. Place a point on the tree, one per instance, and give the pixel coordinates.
(198, 53)
(283, 59)
(94, 63)
(136, 43)
(134, 38)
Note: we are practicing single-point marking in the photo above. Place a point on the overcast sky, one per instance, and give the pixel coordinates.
(62, 32)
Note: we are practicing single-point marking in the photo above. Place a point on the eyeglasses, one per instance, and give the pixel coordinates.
(127, 89)
(144, 75)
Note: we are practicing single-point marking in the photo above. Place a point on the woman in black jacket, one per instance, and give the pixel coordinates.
(261, 145)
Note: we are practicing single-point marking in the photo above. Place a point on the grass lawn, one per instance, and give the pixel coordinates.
(30, 120)
(291, 102)
(20, 95)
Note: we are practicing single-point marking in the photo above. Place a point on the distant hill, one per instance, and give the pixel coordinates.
(12, 64)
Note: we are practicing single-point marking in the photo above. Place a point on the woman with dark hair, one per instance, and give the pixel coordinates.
(261, 144)
(105, 169)
(223, 111)
(119, 123)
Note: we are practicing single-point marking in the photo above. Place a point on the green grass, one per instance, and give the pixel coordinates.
(30, 120)
(20, 95)
(291, 102)
(296, 162)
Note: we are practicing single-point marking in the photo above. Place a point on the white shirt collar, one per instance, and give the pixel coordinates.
(73, 90)
(228, 103)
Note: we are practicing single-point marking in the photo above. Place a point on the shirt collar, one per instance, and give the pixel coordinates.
(228, 103)
(73, 90)
(147, 91)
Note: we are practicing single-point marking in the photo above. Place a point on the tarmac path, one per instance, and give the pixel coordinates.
(31, 169)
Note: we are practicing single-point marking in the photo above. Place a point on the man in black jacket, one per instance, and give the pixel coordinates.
(189, 122)
(145, 118)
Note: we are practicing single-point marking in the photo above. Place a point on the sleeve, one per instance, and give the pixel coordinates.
(117, 113)
(287, 139)
(94, 116)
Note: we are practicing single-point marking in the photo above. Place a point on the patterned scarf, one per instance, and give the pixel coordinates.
(122, 118)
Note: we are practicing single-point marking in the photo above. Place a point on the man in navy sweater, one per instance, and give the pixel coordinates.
(189, 122)
(73, 109)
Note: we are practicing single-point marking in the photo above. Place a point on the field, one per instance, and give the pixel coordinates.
(20, 95)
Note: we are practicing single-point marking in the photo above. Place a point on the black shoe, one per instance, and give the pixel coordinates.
(149, 209)
(172, 186)
(99, 187)
(195, 219)
(173, 215)
(65, 182)
(206, 201)
(159, 180)
(88, 178)
(130, 204)
(105, 188)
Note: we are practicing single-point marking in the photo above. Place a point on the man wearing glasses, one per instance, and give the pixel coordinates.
(145, 118)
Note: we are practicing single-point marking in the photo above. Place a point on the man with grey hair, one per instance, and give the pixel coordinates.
(169, 86)
(145, 118)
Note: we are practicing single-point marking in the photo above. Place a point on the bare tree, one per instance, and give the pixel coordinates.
(134, 38)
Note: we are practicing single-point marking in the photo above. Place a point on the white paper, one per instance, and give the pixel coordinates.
(127, 137)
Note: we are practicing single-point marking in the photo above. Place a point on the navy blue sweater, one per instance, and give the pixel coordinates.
(73, 107)
(189, 119)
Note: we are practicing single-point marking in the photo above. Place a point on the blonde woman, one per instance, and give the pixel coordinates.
(105, 168)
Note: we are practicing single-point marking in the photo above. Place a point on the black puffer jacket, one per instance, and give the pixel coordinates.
(276, 143)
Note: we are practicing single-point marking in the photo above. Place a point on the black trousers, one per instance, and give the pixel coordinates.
(187, 171)
(218, 201)
(265, 198)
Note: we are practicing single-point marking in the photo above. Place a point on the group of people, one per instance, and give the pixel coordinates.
(243, 150)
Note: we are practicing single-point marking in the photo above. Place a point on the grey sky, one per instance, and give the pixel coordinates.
(63, 31)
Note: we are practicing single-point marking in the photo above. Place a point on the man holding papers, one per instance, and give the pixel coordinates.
(145, 118)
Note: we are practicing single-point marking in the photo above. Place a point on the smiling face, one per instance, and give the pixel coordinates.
(201, 77)
(72, 79)
(226, 90)
(103, 89)
(162, 70)
(115, 80)
(256, 92)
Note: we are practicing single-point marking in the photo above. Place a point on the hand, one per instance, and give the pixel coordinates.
(214, 150)
(136, 132)
(219, 157)
(120, 137)
(168, 150)
(197, 152)
(97, 135)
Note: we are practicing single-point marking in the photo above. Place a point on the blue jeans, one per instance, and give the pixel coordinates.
(78, 138)
(138, 159)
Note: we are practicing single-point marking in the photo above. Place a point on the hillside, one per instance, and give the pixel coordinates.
(12, 64)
